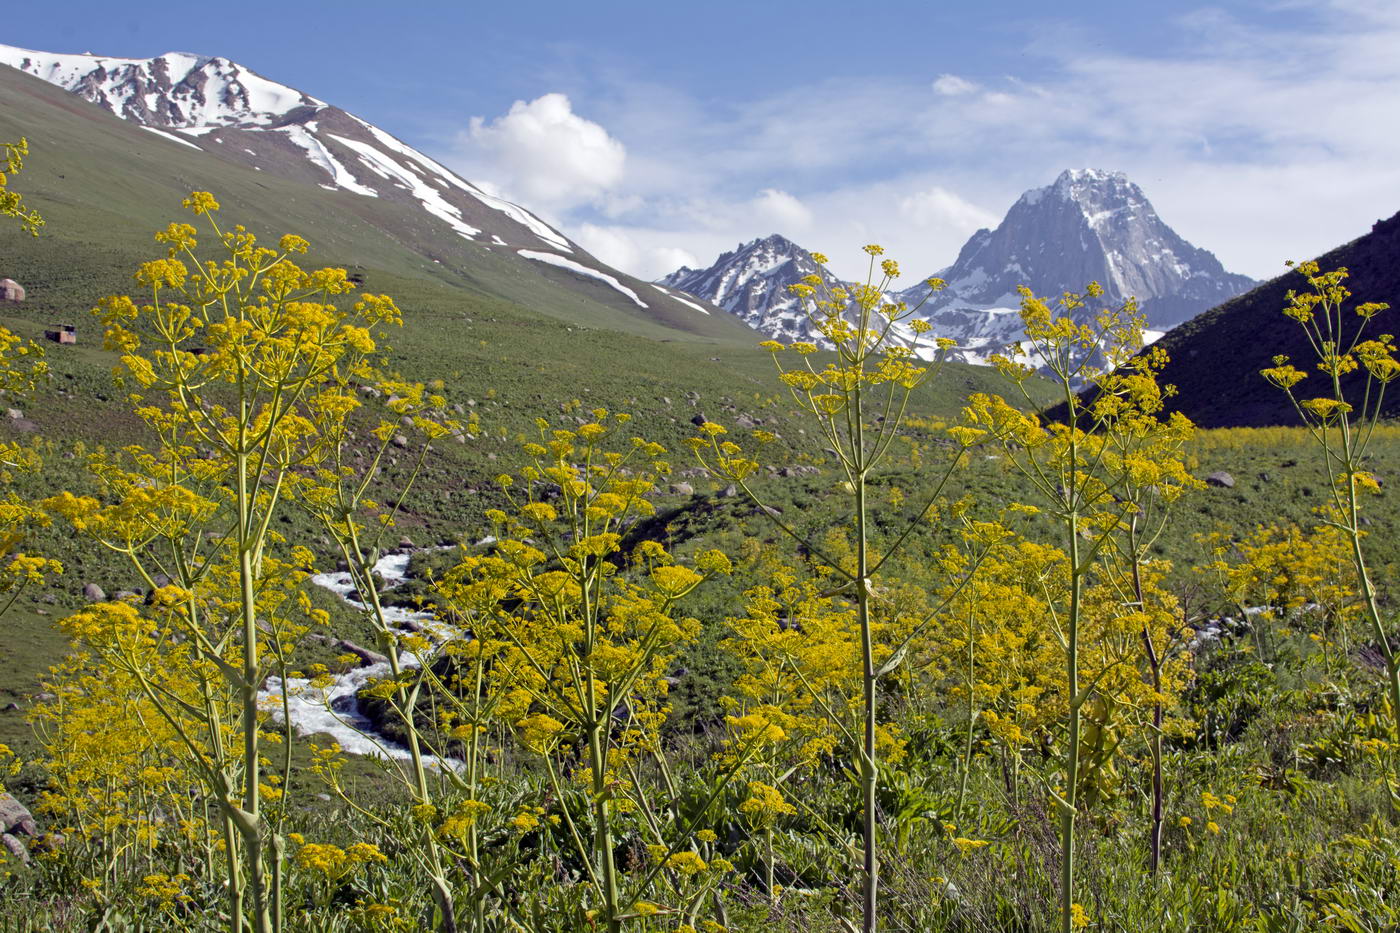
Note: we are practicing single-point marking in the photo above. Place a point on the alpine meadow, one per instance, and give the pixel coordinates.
(378, 552)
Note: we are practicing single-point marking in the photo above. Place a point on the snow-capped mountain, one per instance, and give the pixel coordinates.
(228, 111)
(751, 280)
(221, 107)
(1088, 226)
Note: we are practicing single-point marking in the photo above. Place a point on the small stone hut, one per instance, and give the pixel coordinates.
(11, 291)
(63, 333)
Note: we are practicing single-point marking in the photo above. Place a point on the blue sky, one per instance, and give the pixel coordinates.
(660, 133)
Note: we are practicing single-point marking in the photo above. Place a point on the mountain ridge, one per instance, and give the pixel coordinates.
(1087, 225)
(214, 106)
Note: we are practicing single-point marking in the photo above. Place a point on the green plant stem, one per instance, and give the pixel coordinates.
(1069, 802)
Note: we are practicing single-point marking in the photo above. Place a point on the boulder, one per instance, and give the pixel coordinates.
(15, 816)
(94, 593)
(14, 414)
(400, 441)
(682, 489)
(698, 420)
(364, 654)
(15, 848)
(1222, 479)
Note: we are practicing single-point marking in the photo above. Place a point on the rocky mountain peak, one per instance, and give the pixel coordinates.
(751, 280)
(1089, 225)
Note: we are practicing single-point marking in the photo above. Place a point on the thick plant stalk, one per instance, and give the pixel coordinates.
(249, 821)
(869, 768)
(1069, 801)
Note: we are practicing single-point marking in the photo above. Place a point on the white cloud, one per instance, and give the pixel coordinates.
(1259, 141)
(952, 86)
(621, 249)
(541, 152)
(937, 205)
(784, 212)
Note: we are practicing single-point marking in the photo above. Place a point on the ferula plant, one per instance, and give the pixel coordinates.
(1107, 469)
(237, 359)
(856, 386)
(1356, 369)
(585, 632)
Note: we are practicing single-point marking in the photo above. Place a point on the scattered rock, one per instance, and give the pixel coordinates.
(406, 542)
(682, 489)
(400, 441)
(94, 593)
(9, 708)
(729, 492)
(1222, 479)
(1266, 477)
(745, 422)
(364, 654)
(15, 816)
(14, 414)
(699, 419)
(126, 596)
(16, 848)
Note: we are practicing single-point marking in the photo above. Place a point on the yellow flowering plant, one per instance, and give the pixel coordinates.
(236, 364)
(1356, 370)
(590, 631)
(1108, 471)
(858, 395)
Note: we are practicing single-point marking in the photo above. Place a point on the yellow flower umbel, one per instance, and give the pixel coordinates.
(1356, 372)
(581, 633)
(857, 396)
(1108, 470)
(239, 361)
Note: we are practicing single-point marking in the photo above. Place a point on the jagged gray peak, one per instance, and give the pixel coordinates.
(751, 280)
(1088, 226)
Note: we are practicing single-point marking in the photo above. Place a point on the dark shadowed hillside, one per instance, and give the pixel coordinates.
(1216, 356)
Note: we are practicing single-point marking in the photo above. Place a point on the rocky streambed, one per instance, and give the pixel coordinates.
(335, 710)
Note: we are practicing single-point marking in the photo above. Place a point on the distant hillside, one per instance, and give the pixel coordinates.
(1216, 357)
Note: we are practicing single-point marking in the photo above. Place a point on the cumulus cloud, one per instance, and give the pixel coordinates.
(952, 86)
(784, 212)
(1258, 141)
(623, 249)
(939, 206)
(541, 152)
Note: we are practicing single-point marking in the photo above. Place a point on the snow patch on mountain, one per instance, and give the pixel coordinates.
(172, 137)
(555, 259)
(675, 297)
(317, 152)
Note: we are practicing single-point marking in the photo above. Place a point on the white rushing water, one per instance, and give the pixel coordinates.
(335, 710)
